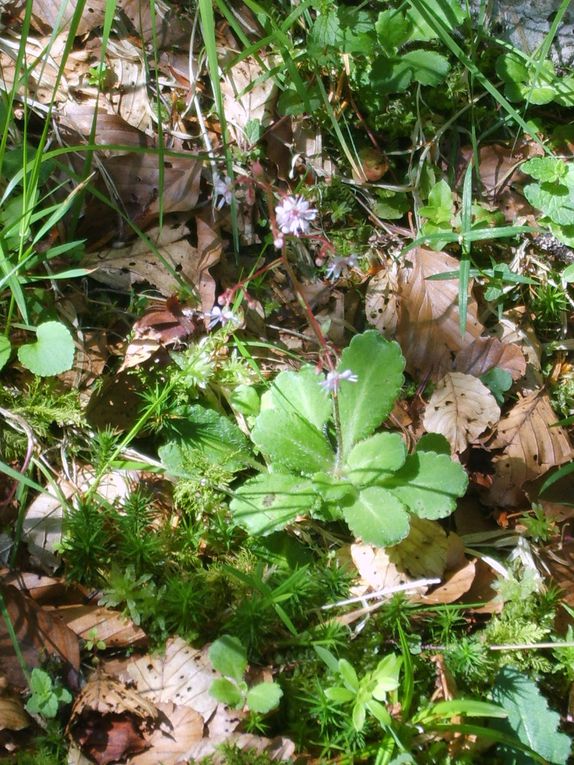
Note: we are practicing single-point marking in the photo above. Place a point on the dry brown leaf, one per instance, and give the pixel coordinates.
(460, 408)
(13, 716)
(39, 633)
(498, 164)
(77, 119)
(485, 353)
(46, 13)
(382, 300)
(130, 93)
(424, 552)
(101, 623)
(44, 589)
(376, 569)
(43, 67)
(134, 182)
(159, 23)
(454, 587)
(107, 696)
(428, 329)
(178, 730)
(532, 445)
(181, 676)
(255, 103)
(130, 265)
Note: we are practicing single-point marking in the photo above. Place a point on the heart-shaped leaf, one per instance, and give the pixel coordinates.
(52, 353)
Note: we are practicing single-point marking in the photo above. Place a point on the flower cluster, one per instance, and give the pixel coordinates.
(223, 190)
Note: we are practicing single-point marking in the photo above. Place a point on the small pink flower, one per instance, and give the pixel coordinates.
(331, 383)
(279, 242)
(223, 191)
(294, 215)
(339, 266)
(221, 316)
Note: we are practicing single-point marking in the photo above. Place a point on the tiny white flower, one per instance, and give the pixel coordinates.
(221, 316)
(339, 266)
(279, 242)
(294, 215)
(333, 380)
(223, 191)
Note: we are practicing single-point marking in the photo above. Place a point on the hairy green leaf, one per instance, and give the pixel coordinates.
(370, 461)
(227, 692)
(290, 441)
(270, 501)
(429, 484)
(529, 716)
(228, 656)
(363, 405)
(301, 393)
(429, 67)
(378, 517)
(264, 697)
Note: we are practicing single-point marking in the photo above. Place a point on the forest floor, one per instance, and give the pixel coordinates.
(287, 393)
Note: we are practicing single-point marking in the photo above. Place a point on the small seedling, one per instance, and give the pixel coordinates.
(46, 695)
(228, 656)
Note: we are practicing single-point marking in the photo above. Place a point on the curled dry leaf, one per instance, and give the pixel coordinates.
(532, 443)
(109, 721)
(460, 408)
(130, 93)
(428, 329)
(13, 716)
(456, 584)
(485, 353)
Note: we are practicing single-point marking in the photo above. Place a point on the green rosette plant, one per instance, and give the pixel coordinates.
(326, 461)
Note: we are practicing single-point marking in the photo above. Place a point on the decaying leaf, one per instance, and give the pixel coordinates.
(428, 329)
(110, 721)
(99, 623)
(382, 300)
(182, 676)
(424, 552)
(248, 94)
(376, 570)
(532, 443)
(39, 633)
(455, 585)
(135, 263)
(13, 716)
(134, 181)
(485, 353)
(179, 729)
(460, 408)
(47, 13)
